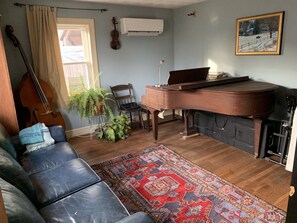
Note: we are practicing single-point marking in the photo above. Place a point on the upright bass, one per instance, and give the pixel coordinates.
(34, 94)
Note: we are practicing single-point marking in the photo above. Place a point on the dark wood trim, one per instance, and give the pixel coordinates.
(8, 116)
(3, 216)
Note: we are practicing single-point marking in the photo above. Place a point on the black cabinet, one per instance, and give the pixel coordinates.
(233, 130)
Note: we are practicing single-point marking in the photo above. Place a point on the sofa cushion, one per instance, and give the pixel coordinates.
(6, 143)
(138, 217)
(12, 172)
(58, 133)
(96, 203)
(63, 180)
(48, 157)
(18, 207)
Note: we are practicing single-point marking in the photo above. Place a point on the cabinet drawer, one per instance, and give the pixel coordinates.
(244, 134)
(244, 146)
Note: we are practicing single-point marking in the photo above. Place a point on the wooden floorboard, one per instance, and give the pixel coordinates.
(264, 179)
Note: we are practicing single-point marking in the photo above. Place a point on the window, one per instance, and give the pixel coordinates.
(78, 50)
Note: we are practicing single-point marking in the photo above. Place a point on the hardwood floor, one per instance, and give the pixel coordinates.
(264, 179)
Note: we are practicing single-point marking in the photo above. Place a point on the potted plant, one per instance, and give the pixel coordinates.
(116, 128)
(94, 102)
(91, 102)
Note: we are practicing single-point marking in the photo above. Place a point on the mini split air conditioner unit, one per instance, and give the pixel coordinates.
(141, 27)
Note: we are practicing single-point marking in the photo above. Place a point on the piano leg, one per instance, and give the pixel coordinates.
(154, 122)
(189, 122)
(257, 136)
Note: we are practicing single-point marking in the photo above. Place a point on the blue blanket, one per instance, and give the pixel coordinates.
(31, 134)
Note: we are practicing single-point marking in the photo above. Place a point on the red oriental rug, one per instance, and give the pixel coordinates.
(171, 189)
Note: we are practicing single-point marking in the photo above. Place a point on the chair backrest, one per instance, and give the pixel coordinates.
(123, 94)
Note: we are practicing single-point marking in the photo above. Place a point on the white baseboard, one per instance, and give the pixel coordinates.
(80, 131)
(90, 129)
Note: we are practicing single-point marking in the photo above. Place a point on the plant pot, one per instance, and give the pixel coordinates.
(99, 108)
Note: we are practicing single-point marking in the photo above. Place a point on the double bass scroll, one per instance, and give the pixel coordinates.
(34, 95)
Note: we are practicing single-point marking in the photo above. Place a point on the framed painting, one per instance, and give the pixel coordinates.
(259, 35)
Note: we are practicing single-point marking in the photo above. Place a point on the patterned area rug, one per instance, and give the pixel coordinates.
(171, 189)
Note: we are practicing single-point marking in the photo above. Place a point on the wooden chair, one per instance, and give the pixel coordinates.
(125, 101)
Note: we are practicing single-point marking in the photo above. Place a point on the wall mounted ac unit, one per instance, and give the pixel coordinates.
(141, 27)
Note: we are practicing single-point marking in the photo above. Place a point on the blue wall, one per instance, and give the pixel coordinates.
(136, 62)
(209, 40)
(205, 40)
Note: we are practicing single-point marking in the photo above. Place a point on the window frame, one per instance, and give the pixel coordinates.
(88, 24)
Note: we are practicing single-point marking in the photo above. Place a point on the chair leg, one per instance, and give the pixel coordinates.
(140, 119)
(131, 119)
(148, 120)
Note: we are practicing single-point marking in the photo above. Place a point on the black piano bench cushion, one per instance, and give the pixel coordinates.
(48, 157)
(12, 172)
(130, 106)
(18, 207)
(96, 203)
(63, 180)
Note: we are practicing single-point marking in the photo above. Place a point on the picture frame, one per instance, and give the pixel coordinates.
(259, 35)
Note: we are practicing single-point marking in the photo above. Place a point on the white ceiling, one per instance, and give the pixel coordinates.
(170, 4)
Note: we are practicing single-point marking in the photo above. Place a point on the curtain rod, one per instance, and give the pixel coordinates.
(102, 10)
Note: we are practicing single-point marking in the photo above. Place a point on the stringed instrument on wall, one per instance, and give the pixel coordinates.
(115, 43)
(34, 95)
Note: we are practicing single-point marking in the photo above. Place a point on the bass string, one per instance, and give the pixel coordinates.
(36, 83)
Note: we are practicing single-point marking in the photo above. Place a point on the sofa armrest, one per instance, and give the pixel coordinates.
(57, 133)
(19, 148)
(139, 217)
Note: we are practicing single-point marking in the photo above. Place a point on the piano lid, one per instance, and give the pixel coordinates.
(205, 83)
(189, 75)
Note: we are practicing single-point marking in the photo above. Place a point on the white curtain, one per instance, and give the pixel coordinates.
(45, 49)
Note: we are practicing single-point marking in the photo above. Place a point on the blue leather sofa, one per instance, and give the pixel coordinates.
(53, 184)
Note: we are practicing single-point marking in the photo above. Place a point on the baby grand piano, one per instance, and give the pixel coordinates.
(189, 90)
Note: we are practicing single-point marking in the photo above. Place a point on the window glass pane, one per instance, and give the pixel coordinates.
(76, 76)
(71, 45)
